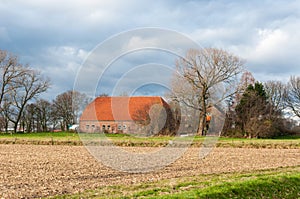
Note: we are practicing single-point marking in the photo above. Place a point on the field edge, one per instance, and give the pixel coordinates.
(283, 182)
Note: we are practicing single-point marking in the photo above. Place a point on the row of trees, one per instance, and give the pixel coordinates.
(262, 109)
(19, 84)
(20, 106)
(208, 77)
(60, 113)
(41, 115)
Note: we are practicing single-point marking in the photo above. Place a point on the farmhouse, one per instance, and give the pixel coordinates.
(126, 115)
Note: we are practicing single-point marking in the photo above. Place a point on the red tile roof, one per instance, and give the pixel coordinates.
(120, 108)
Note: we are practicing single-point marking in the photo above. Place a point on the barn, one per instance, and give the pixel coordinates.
(126, 115)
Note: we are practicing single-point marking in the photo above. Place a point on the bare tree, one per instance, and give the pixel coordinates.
(68, 107)
(79, 102)
(43, 112)
(29, 118)
(63, 109)
(103, 95)
(205, 77)
(18, 85)
(37, 116)
(28, 86)
(155, 119)
(5, 112)
(10, 70)
(292, 96)
(2, 123)
(55, 118)
(276, 92)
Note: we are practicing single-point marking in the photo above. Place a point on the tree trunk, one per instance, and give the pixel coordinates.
(15, 127)
(201, 130)
(6, 126)
(204, 111)
(203, 127)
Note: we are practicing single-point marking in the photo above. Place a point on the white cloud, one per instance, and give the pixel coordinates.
(139, 42)
(276, 50)
(271, 44)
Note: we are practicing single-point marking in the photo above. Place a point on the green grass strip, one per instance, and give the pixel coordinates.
(273, 183)
(73, 138)
(263, 187)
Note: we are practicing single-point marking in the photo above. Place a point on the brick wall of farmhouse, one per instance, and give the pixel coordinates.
(107, 126)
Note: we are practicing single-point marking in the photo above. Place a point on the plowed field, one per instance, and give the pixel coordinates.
(29, 171)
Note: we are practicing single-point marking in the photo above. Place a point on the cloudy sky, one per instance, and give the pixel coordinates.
(59, 37)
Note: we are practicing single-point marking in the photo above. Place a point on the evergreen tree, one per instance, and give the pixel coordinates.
(252, 112)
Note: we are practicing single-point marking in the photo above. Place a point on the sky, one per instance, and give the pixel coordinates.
(70, 41)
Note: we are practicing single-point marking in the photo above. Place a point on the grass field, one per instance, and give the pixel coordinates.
(276, 183)
(72, 138)
(42, 135)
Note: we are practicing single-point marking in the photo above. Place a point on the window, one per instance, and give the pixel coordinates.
(93, 126)
(103, 127)
(87, 126)
(124, 127)
(108, 127)
(119, 127)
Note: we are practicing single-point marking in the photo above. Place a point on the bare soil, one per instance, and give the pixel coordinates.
(32, 171)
